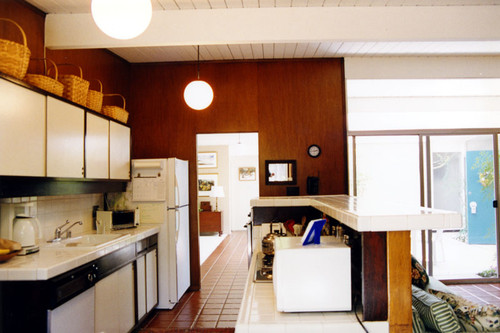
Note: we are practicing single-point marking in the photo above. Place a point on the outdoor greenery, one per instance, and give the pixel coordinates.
(491, 272)
(484, 163)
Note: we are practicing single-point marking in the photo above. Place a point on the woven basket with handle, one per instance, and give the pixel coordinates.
(46, 82)
(116, 112)
(14, 57)
(75, 87)
(94, 98)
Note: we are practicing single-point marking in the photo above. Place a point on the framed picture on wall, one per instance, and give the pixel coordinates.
(205, 183)
(207, 159)
(247, 173)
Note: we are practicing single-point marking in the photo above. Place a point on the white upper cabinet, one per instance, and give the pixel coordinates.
(42, 136)
(119, 151)
(22, 131)
(97, 147)
(65, 139)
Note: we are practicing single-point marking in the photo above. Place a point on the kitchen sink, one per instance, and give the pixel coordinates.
(88, 240)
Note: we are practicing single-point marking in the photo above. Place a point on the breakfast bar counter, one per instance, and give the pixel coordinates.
(363, 214)
(383, 250)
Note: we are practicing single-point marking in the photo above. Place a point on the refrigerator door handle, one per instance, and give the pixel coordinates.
(177, 221)
(177, 192)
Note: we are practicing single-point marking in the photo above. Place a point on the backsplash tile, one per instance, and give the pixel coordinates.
(53, 211)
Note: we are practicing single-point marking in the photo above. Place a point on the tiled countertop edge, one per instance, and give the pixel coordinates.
(425, 219)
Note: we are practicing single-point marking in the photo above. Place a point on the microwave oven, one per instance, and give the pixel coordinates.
(120, 219)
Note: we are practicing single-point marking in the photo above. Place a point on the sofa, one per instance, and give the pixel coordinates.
(436, 308)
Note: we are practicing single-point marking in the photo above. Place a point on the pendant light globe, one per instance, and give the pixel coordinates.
(198, 95)
(122, 19)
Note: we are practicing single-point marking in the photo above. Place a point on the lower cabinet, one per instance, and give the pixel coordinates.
(99, 296)
(114, 301)
(77, 313)
(147, 283)
(151, 280)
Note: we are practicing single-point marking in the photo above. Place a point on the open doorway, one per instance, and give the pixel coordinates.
(228, 178)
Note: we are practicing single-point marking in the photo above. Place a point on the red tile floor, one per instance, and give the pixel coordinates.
(215, 307)
(479, 293)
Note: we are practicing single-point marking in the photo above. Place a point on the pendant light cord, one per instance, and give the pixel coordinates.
(198, 67)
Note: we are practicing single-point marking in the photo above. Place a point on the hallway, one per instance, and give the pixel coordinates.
(215, 307)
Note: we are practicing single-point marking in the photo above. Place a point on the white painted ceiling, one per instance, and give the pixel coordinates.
(320, 47)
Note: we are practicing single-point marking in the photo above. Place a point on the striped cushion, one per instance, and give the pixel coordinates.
(434, 312)
(418, 324)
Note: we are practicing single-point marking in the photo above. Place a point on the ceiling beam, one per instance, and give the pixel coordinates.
(285, 25)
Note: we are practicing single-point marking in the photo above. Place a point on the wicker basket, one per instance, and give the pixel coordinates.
(14, 57)
(116, 112)
(75, 87)
(46, 82)
(94, 98)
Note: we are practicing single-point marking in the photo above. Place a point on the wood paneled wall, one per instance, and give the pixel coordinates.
(291, 104)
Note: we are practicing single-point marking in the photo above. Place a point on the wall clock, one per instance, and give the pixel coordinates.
(314, 151)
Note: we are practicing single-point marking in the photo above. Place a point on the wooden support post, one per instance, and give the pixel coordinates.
(399, 281)
(374, 282)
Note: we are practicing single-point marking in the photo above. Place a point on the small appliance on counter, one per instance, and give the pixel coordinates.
(107, 220)
(314, 277)
(18, 222)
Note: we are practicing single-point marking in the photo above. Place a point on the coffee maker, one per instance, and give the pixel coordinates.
(18, 222)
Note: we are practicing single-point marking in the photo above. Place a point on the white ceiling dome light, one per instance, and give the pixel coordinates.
(198, 94)
(122, 19)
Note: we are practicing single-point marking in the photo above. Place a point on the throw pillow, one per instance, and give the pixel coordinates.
(418, 324)
(473, 317)
(419, 276)
(436, 314)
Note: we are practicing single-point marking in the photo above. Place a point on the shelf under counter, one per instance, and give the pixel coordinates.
(258, 314)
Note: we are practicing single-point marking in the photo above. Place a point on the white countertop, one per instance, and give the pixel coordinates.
(258, 314)
(363, 214)
(52, 261)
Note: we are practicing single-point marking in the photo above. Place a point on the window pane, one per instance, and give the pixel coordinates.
(423, 104)
(388, 167)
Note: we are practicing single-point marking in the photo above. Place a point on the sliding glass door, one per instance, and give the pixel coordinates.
(463, 180)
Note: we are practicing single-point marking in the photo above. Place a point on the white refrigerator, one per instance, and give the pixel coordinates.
(160, 189)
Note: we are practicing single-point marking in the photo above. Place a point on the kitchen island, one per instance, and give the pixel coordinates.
(384, 236)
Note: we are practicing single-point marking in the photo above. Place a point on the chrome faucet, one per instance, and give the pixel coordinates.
(68, 232)
(58, 233)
